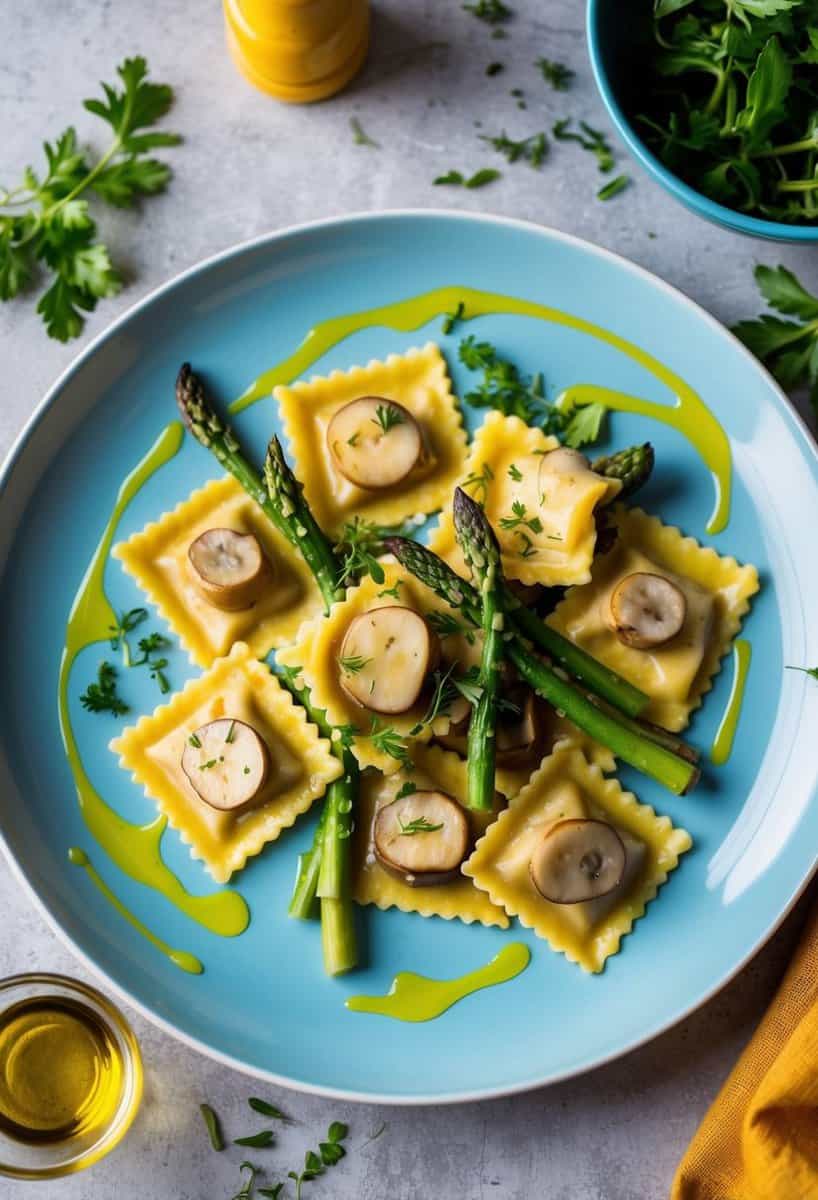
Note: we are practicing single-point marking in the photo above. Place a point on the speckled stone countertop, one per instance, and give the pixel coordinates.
(249, 165)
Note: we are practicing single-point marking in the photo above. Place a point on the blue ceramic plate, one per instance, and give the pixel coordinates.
(263, 1003)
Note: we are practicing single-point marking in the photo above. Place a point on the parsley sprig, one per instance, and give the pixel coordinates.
(359, 545)
(102, 696)
(532, 149)
(45, 223)
(493, 12)
(592, 140)
(458, 179)
(555, 73)
(789, 349)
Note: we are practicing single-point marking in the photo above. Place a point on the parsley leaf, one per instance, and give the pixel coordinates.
(493, 12)
(584, 425)
(789, 349)
(609, 190)
(45, 221)
(477, 180)
(555, 73)
(592, 140)
(102, 696)
(532, 149)
(359, 135)
(811, 671)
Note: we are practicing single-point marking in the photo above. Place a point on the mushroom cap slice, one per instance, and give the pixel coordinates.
(374, 442)
(563, 461)
(578, 860)
(385, 658)
(646, 610)
(227, 763)
(229, 568)
(422, 838)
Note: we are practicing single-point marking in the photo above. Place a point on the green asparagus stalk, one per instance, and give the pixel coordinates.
(595, 675)
(628, 741)
(633, 467)
(303, 902)
(482, 555)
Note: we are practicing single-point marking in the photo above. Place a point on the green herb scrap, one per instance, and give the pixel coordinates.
(494, 68)
(555, 73)
(477, 180)
(359, 544)
(125, 624)
(729, 102)
(359, 135)
(493, 12)
(789, 349)
(592, 140)
(102, 696)
(811, 671)
(149, 648)
(532, 149)
(613, 188)
(453, 318)
(418, 825)
(212, 1125)
(45, 222)
(387, 417)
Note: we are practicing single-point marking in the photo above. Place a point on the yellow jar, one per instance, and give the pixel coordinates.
(298, 50)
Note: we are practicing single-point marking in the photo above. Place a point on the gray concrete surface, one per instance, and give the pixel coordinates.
(249, 165)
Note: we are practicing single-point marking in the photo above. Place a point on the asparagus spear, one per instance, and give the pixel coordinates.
(629, 741)
(632, 466)
(482, 555)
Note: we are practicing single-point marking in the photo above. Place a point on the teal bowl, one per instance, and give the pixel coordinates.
(616, 45)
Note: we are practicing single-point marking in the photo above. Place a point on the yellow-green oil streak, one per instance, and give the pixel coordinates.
(418, 998)
(689, 414)
(134, 848)
(179, 958)
(723, 741)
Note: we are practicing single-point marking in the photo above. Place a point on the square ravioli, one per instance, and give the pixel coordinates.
(157, 558)
(717, 591)
(542, 508)
(436, 770)
(237, 691)
(317, 655)
(419, 382)
(568, 789)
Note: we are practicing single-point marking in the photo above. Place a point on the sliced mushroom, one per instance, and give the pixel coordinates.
(422, 838)
(646, 610)
(563, 461)
(375, 442)
(385, 658)
(578, 860)
(227, 764)
(230, 568)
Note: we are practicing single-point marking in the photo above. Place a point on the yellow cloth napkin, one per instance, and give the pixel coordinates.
(759, 1140)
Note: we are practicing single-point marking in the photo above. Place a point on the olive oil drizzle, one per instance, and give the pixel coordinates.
(723, 742)
(134, 848)
(417, 998)
(688, 414)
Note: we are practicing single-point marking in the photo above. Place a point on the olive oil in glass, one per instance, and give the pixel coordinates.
(61, 1071)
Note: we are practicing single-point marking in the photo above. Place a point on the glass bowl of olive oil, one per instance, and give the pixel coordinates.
(70, 1076)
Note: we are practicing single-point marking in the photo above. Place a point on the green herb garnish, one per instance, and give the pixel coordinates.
(45, 222)
(515, 473)
(245, 1192)
(532, 149)
(479, 480)
(330, 1152)
(789, 349)
(230, 736)
(149, 647)
(493, 12)
(451, 319)
(387, 416)
(519, 517)
(609, 190)
(125, 624)
(102, 696)
(811, 671)
(359, 135)
(729, 102)
(555, 73)
(207, 766)
(359, 544)
(418, 825)
(446, 624)
(592, 140)
(408, 789)
(354, 664)
(212, 1125)
(477, 180)
(584, 425)
(495, 68)
(195, 741)
(258, 1141)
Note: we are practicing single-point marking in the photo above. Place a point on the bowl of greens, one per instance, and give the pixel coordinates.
(718, 100)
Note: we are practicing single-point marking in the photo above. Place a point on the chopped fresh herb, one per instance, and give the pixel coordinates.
(358, 546)
(266, 1109)
(207, 766)
(515, 473)
(230, 736)
(609, 190)
(258, 1141)
(729, 96)
(811, 671)
(479, 480)
(195, 742)
(387, 416)
(520, 518)
(353, 440)
(446, 624)
(102, 696)
(394, 592)
(408, 789)
(212, 1125)
(495, 68)
(125, 623)
(592, 140)
(271, 1193)
(387, 740)
(528, 547)
(45, 222)
(477, 180)
(789, 349)
(246, 1190)
(329, 1154)
(469, 686)
(493, 12)
(555, 73)
(441, 700)
(503, 388)
(359, 136)
(354, 664)
(245, 770)
(584, 425)
(418, 825)
(451, 319)
(149, 646)
(532, 149)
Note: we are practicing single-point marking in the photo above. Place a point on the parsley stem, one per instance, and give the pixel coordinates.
(798, 185)
(810, 143)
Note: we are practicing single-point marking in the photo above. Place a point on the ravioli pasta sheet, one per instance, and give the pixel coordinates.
(419, 381)
(543, 519)
(157, 558)
(567, 787)
(317, 649)
(432, 769)
(242, 688)
(717, 589)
